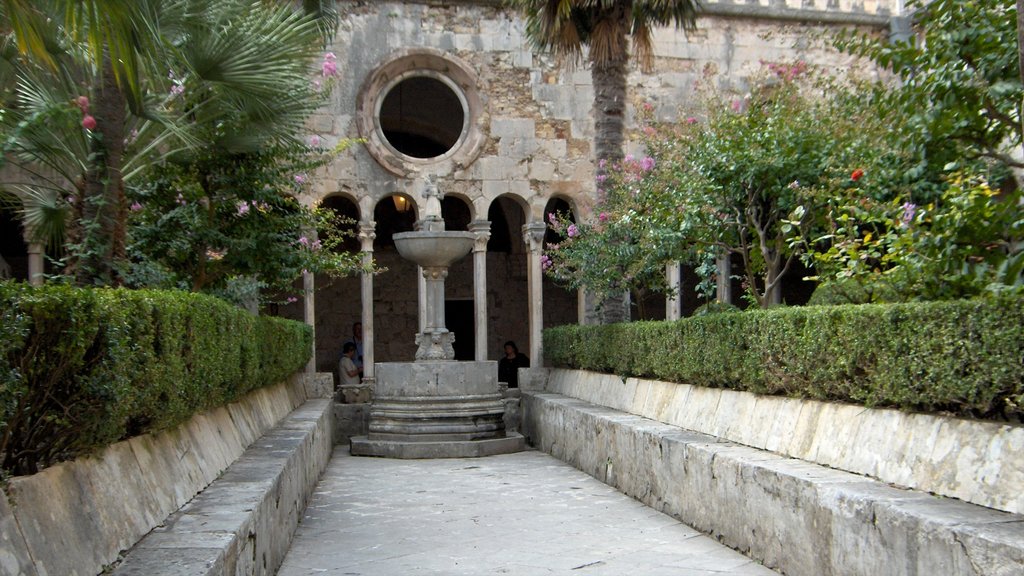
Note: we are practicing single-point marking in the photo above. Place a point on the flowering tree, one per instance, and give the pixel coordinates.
(967, 242)
(932, 223)
(750, 177)
(230, 224)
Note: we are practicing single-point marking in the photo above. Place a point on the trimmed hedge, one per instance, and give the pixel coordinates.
(83, 368)
(964, 357)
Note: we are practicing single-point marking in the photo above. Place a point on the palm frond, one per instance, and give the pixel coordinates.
(43, 213)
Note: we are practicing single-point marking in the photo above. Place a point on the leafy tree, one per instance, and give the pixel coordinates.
(229, 224)
(750, 176)
(606, 28)
(961, 87)
(966, 243)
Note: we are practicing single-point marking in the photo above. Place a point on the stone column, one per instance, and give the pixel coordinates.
(35, 263)
(482, 229)
(673, 303)
(309, 314)
(367, 233)
(533, 235)
(421, 294)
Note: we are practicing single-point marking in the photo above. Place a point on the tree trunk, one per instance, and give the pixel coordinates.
(609, 79)
(1020, 57)
(104, 212)
(1020, 39)
(772, 285)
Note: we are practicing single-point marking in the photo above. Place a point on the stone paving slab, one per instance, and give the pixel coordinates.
(522, 514)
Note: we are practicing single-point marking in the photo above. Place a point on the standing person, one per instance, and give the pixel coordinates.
(357, 340)
(347, 369)
(510, 363)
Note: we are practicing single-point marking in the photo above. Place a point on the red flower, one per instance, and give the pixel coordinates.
(857, 175)
(89, 123)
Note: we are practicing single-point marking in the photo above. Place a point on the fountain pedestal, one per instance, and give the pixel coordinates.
(436, 407)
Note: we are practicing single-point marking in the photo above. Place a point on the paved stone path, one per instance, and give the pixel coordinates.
(524, 514)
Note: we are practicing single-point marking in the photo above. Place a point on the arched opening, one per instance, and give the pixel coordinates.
(393, 214)
(346, 218)
(456, 213)
(507, 220)
(560, 304)
(458, 304)
(507, 289)
(557, 208)
(13, 249)
(422, 117)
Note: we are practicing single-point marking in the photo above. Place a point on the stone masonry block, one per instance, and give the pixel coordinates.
(513, 128)
(56, 513)
(14, 553)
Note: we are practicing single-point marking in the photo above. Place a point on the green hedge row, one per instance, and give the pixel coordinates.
(964, 357)
(82, 368)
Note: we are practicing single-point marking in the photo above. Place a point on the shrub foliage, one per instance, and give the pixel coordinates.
(963, 357)
(80, 368)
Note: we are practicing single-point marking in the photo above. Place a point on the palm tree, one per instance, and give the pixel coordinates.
(605, 27)
(120, 52)
(110, 44)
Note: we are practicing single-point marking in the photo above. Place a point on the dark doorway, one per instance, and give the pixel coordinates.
(458, 317)
(12, 244)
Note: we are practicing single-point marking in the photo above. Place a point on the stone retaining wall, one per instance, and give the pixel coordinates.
(243, 523)
(976, 461)
(76, 517)
(800, 518)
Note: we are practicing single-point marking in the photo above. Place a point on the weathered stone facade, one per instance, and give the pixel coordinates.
(526, 140)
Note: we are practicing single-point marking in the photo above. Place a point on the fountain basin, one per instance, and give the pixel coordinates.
(434, 248)
(437, 410)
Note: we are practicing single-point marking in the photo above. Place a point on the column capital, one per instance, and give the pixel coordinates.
(482, 229)
(533, 235)
(367, 233)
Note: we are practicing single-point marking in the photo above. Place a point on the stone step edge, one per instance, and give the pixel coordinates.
(244, 521)
(793, 516)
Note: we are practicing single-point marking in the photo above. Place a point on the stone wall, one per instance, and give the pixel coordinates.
(76, 517)
(974, 461)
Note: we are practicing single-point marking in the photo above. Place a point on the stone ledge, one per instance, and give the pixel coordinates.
(794, 516)
(75, 518)
(243, 523)
(418, 449)
(979, 462)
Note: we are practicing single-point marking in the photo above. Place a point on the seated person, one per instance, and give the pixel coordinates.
(509, 365)
(347, 370)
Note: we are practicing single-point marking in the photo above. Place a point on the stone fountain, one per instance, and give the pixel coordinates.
(436, 407)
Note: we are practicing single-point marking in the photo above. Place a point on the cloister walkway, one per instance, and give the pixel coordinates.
(524, 514)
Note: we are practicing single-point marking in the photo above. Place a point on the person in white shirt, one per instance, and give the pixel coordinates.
(347, 370)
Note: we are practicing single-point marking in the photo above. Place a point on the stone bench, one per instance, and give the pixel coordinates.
(244, 521)
(77, 518)
(794, 516)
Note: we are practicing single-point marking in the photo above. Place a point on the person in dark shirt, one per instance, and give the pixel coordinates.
(510, 363)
